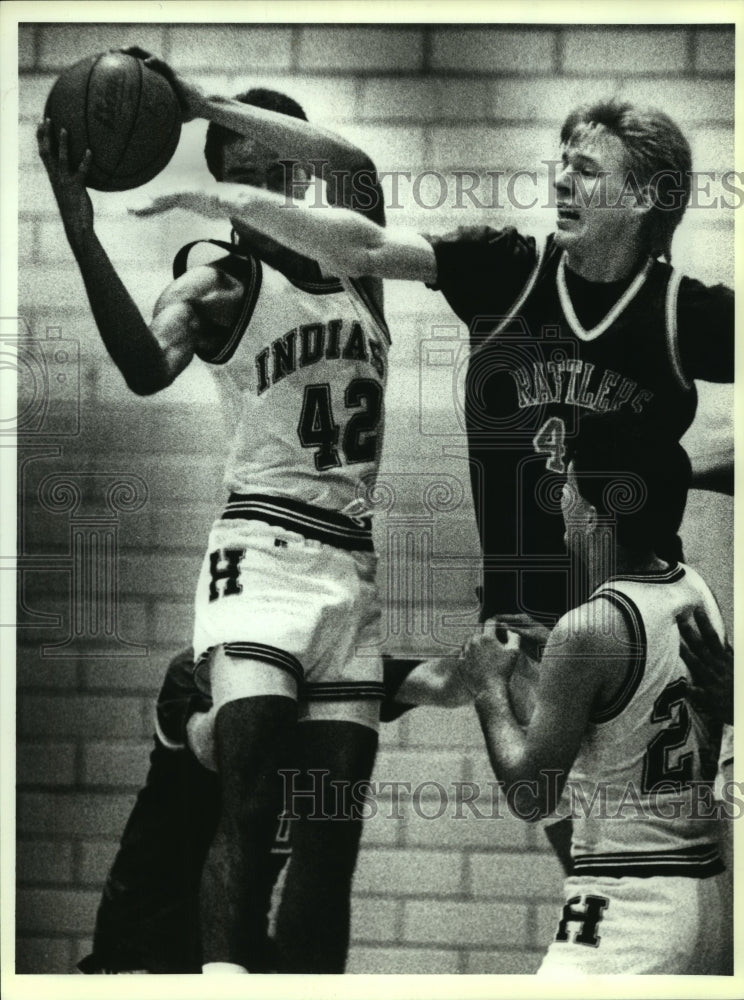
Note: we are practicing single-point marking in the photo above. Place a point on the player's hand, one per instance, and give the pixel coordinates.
(202, 202)
(711, 663)
(191, 97)
(488, 656)
(532, 634)
(68, 185)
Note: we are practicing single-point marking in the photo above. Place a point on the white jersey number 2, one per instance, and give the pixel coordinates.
(660, 768)
(318, 428)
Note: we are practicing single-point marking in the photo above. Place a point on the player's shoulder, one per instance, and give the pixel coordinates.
(691, 291)
(594, 630)
(694, 293)
(198, 282)
(701, 593)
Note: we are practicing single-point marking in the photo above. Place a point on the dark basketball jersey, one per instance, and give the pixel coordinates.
(540, 358)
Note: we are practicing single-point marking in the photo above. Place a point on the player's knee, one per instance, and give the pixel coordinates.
(200, 738)
(345, 749)
(253, 741)
(248, 723)
(338, 757)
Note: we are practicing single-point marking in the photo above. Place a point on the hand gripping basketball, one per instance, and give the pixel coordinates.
(190, 97)
(68, 185)
(487, 656)
(123, 111)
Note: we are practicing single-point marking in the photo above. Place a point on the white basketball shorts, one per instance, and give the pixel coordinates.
(270, 595)
(663, 925)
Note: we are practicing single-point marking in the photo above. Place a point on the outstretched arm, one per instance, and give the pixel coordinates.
(714, 471)
(339, 240)
(147, 362)
(434, 682)
(710, 445)
(342, 241)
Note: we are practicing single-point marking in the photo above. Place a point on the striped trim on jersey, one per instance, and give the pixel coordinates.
(321, 286)
(672, 295)
(625, 299)
(355, 288)
(690, 862)
(637, 665)
(328, 526)
(674, 573)
(266, 654)
(252, 282)
(180, 261)
(252, 277)
(342, 691)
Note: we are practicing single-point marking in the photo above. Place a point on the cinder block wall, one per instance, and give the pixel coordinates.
(118, 492)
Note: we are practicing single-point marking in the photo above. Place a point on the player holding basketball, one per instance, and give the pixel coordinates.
(594, 321)
(286, 594)
(647, 892)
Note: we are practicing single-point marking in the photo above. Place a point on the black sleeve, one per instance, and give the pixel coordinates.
(481, 270)
(705, 331)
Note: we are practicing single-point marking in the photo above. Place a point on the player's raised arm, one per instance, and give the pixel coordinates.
(290, 138)
(342, 241)
(147, 362)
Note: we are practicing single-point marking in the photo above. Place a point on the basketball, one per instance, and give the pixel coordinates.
(123, 111)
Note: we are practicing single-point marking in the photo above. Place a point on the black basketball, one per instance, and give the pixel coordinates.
(124, 112)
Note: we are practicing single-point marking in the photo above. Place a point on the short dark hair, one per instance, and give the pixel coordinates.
(259, 97)
(632, 473)
(658, 156)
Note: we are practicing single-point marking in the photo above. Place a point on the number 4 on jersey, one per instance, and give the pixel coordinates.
(550, 440)
(318, 429)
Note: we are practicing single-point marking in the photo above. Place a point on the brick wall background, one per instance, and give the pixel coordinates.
(110, 484)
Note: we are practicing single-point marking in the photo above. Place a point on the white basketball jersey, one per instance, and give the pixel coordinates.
(648, 758)
(301, 380)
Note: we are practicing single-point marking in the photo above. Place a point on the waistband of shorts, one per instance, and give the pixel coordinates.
(328, 526)
(700, 861)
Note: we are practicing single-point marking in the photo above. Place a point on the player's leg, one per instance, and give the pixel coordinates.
(340, 713)
(254, 728)
(313, 922)
(147, 919)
